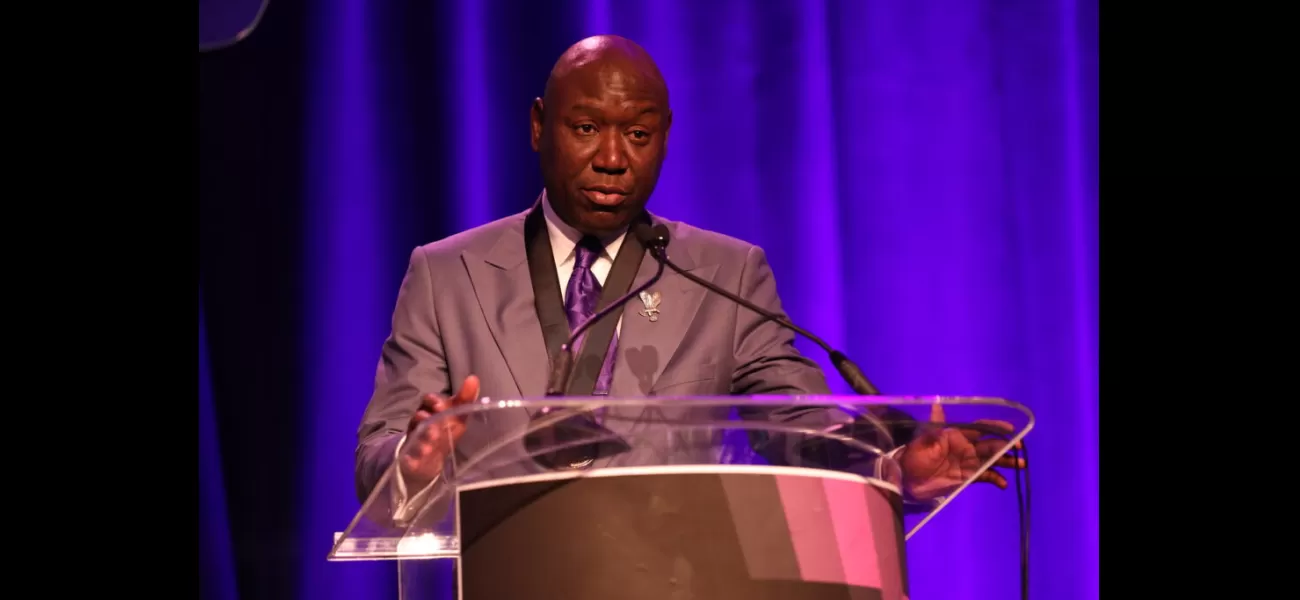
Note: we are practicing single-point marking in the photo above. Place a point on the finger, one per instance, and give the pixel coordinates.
(455, 429)
(934, 426)
(440, 432)
(936, 413)
(429, 431)
(417, 418)
(447, 427)
(985, 427)
(998, 427)
(994, 478)
(1011, 462)
(420, 416)
(468, 391)
(429, 402)
(972, 435)
(985, 449)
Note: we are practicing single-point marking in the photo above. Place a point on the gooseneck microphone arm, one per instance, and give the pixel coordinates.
(849, 371)
(562, 369)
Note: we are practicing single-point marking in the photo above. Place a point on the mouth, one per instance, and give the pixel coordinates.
(603, 195)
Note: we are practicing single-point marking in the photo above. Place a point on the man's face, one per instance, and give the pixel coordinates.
(601, 134)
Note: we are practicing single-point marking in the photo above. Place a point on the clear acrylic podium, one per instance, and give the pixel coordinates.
(672, 497)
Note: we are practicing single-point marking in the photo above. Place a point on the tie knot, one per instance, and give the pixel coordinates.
(588, 250)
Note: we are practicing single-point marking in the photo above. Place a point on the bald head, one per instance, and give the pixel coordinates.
(601, 130)
(612, 53)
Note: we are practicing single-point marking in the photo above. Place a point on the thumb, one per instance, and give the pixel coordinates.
(932, 427)
(468, 391)
(936, 413)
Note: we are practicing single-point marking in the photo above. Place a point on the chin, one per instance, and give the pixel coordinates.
(601, 222)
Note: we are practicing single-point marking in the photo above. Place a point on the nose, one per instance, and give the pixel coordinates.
(611, 155)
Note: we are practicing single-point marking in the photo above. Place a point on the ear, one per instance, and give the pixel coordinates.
(536, 116)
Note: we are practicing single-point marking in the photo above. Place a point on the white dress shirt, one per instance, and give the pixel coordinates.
(564, 242)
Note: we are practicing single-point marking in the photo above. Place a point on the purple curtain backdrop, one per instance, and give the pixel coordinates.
(923, 176)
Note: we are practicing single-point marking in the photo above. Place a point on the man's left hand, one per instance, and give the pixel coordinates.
(940, 458)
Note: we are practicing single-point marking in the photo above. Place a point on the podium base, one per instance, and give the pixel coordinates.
(679, 532)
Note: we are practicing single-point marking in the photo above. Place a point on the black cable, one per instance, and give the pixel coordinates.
(1022, 504)
(1022, 497)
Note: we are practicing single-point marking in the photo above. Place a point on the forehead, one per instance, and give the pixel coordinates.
(615, 81)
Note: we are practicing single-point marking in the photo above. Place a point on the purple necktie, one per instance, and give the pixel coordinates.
(580, 304)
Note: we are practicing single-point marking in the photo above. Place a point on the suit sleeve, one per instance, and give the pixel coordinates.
(768, 364)
(766, 359)
(412, 363)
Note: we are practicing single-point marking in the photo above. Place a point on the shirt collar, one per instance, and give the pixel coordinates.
(564, 238)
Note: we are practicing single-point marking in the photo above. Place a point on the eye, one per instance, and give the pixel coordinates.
(640, 135)
(585, 129)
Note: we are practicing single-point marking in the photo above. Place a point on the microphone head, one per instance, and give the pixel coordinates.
(660, 234)
(654, 238)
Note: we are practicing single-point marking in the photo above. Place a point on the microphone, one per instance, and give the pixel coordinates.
(849, 371)
(561, 372)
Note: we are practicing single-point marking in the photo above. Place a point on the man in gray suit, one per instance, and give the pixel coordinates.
(479, 313)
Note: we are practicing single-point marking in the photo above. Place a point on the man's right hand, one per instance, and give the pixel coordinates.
(428, 446)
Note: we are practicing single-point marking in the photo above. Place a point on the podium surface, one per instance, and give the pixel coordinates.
(672, 497)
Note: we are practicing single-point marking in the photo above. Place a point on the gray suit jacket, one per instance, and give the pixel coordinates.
(466, 307)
